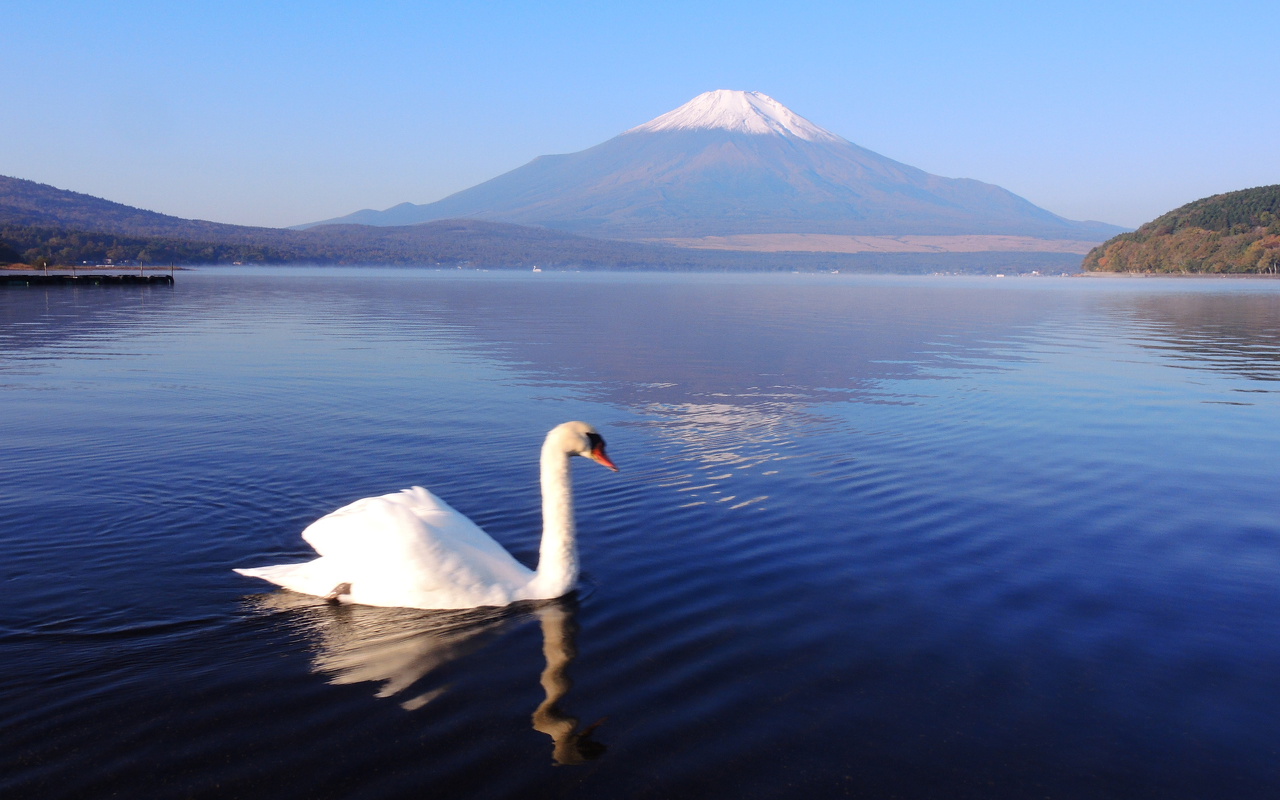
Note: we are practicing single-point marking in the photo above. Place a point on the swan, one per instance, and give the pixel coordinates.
(410, 549)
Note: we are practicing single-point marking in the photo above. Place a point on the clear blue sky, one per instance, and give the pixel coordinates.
(278, 113)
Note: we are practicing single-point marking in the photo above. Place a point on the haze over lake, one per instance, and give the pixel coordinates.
(873, 536)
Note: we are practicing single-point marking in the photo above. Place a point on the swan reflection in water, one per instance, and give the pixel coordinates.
(399, 647)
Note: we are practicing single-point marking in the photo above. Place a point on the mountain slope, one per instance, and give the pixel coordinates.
(68, 228)
(28, 203)
(1236, 232)
(738, 162)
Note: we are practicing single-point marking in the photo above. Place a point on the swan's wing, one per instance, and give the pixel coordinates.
(412, 546)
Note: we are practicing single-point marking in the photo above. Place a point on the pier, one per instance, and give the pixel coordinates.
(89, 279)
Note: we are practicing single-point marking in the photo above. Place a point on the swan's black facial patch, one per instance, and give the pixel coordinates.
(596, 441)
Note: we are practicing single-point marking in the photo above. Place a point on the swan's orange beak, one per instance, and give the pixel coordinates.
(598, 456)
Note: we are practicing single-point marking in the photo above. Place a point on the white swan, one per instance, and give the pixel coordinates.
(410, 549)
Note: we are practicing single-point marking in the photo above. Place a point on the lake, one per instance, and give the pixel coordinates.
(872, 537)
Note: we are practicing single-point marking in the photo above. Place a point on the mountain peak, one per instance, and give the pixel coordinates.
(729, 163)
(740, 112)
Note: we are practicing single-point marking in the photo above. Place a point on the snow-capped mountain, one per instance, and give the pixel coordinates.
(734, 162)
(737, 112)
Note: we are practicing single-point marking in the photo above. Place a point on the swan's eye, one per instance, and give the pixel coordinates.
(596, 441)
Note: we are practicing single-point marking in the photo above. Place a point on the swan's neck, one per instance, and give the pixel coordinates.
(558, 557)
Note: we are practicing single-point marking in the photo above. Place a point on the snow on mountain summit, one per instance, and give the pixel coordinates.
(740, 112)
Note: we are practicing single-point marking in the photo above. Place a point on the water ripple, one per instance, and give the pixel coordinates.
(1010, 540)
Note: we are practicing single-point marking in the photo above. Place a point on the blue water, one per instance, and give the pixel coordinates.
(873, 537)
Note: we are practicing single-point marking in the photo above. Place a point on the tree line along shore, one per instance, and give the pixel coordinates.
(1237, 233)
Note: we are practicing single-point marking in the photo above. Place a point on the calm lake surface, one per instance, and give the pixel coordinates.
(873, 537)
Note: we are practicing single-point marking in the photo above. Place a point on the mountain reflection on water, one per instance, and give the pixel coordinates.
(1232, 333)
(732, 344)
(729, 370)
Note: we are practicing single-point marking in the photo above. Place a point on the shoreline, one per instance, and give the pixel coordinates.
(20, 269)
(25, 270)
(1205, 275)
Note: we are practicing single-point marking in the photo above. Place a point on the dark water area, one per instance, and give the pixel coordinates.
(873, 537)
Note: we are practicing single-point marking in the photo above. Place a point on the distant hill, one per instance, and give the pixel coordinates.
(732, 162)
(69, 228)
(27, 203)
(1236, 232)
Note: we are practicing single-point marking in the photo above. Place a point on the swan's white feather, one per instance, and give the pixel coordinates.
(408, 549)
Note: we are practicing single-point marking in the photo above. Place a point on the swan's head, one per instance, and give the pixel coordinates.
(580, 439)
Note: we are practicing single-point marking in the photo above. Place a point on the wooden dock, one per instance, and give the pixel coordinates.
(83, 279)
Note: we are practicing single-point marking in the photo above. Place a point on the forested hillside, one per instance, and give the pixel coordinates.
(1237, 232)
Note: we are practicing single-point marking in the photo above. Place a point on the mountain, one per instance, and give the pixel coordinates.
(733, 162)
(1236, 232)
(38, 221)
(24, 202)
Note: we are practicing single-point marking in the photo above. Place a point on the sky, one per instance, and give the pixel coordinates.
(281, 113)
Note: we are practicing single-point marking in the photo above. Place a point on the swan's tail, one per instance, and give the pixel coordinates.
(311, 577)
